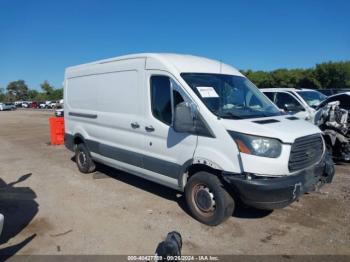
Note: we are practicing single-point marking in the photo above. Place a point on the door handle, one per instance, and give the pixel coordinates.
(135, 125)
(149, 128)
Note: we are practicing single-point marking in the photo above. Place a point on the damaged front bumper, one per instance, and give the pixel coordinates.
(278, 192)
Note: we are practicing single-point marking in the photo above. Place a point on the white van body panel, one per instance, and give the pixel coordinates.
(285, 130)
(140, 172)
(112, 93)
(188, 63)
(265, 166)
(222, 156)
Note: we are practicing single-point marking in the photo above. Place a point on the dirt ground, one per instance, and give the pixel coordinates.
(51, 208)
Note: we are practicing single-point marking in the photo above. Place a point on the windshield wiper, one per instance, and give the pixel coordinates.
(233, 115)
(226, 115)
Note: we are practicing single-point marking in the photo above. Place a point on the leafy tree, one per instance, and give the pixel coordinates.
(333, 75)
(57, 94)
(325, 75)
(2, 95)
(309, 80)
(260, 78)
(47, 88)
(286, 78)
(32, 94)
(40, 97)
(17, 90)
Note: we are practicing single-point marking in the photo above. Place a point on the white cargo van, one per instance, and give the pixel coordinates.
(195, 125)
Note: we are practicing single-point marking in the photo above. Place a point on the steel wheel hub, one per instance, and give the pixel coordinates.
(205, 199)
(82, 158)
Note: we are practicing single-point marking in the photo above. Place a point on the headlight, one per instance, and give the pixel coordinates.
(257, 145)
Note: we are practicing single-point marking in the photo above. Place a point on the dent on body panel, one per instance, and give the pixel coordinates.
(218, 153)
(207, 162)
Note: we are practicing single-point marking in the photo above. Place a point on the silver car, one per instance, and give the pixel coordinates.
(5, 106)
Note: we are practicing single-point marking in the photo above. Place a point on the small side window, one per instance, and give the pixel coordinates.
(177, 98)
(270, 95)
(161, 98)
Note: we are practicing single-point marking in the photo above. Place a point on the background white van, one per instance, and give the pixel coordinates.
(299, 102)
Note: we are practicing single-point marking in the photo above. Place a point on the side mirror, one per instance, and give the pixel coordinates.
(293, 108)
(184, 119)
(289, 107)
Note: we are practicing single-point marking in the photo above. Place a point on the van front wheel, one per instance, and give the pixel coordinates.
(207, 199)
(83, 159)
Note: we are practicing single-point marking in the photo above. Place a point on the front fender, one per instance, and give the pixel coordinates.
(220, 157)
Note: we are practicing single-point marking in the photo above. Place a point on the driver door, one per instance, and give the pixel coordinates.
(167, 150)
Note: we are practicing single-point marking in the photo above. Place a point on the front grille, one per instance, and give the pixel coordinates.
(306, 151)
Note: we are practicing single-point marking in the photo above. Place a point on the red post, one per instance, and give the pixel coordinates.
(57, 130)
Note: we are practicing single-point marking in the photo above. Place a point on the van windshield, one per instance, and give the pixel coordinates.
(312, 98)
(228, 96)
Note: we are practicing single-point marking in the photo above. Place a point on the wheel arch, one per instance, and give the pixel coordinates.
(78, 138)
(71, 140)
(191, 167)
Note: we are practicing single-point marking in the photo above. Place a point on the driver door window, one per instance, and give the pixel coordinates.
(161, 98)
(288, 103)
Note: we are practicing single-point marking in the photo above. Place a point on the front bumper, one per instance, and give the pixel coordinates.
(278, 192)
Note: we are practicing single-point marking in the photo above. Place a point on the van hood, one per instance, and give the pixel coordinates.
(285, 128)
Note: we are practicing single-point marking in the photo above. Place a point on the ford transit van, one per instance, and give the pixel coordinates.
(193, 124)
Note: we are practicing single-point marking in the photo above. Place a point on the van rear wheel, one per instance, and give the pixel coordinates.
(83, 159)
(207, 199)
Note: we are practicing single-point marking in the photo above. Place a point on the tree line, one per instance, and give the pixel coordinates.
(19, 91)
(330, 75)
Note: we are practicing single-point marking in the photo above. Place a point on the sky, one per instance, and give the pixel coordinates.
(40, 38)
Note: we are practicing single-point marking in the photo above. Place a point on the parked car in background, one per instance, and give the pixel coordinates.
(11, 105)
(193, 124)
(27, 104)
(45, 105)
(5, 106)
(18, 103)
(333, 118)
(299, 102)
(52, 105)
(34, 105)
(59, 112)
(59, 104)
(329, 92)
(343, 98)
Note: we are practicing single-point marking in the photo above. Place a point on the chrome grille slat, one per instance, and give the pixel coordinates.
(305, 152)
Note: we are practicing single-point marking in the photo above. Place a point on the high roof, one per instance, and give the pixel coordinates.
(179, 62)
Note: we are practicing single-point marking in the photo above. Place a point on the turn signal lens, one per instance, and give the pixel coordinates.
(242, 147)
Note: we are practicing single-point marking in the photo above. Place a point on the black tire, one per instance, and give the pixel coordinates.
(207, 199)
(83, 159)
